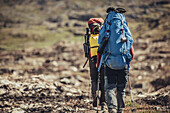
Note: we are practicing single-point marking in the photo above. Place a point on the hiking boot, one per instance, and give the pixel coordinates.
(103, 106)
(120, 111)
(112, 110)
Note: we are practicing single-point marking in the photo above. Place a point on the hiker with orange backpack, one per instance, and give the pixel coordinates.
(90, 48)
(115, 53)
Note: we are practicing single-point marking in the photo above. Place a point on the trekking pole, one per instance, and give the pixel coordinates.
(133, 110)
(102, 61)
(85, 63)
(98, 82)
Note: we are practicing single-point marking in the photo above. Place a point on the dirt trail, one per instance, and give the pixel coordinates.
(53, 80)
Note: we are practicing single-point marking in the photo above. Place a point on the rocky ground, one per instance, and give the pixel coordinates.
(44, 80)
(51, 79)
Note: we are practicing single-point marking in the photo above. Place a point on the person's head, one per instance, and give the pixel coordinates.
(96, 29)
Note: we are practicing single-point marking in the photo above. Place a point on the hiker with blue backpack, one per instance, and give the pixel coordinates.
(115, 53)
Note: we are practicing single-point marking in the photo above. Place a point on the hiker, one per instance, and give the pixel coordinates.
(90, 48)
(116, 40)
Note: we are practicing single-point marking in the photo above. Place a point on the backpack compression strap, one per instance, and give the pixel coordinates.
(124, 49)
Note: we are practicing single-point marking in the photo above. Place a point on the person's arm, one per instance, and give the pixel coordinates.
(100, 41)
(98, 59)
(132, 51)
(101, 35)
(128, 35)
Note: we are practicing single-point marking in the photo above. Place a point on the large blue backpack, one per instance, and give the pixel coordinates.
(117, 52)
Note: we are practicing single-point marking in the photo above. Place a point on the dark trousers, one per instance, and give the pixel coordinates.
(115, 79)
(94, 78)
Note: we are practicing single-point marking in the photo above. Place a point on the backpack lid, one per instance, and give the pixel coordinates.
(117, 10)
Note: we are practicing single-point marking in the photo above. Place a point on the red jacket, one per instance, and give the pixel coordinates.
(99, 55)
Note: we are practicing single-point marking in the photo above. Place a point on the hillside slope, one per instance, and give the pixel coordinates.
(41, 54)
